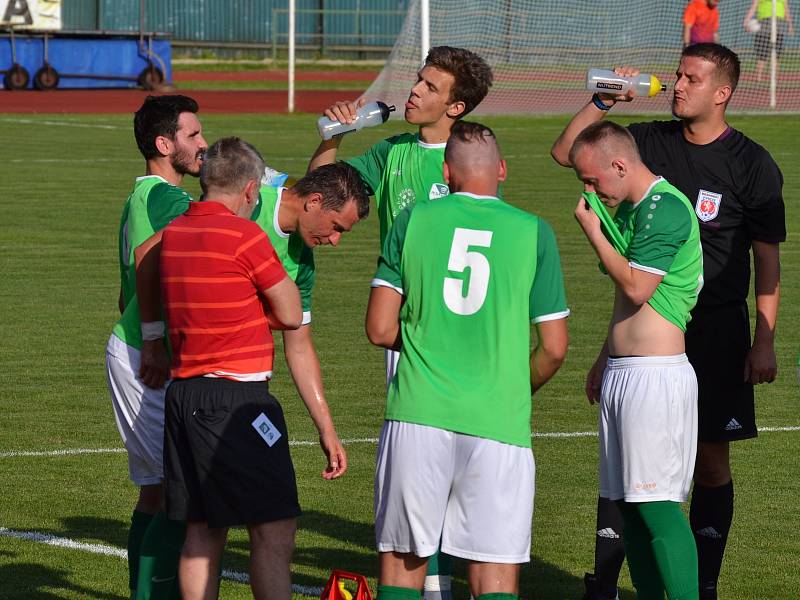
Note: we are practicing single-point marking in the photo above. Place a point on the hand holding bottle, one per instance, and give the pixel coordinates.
(609, 97)
(340, 118)
(344, 112)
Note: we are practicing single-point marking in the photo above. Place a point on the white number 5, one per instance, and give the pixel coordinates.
(460, 259)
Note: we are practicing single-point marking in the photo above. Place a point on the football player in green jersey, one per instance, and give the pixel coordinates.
(169, 136)
(646, 388)
(315, 211)
(407, 168)
(455, 464)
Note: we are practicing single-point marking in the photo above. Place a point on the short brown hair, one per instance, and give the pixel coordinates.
(229, 164)
(473, 76)
(601, 133)
(724, 59)
(339, 183)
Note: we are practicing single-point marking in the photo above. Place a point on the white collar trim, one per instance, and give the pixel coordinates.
(656, 181)
(476, 196)
(427, 145)
(143, 177)
(275, 222)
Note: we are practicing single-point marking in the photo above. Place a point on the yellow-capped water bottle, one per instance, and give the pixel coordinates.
(604, 81)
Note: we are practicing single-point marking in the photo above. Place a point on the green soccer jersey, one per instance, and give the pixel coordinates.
(297, 258)
(152, 205)
(662, 237)
(474, 272)
(399, 172)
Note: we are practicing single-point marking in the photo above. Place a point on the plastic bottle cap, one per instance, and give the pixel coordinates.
(656, 86)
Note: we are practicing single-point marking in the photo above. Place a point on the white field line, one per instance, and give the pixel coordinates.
(72, 160)
(346, 442)
(62, 123)
(60, 542)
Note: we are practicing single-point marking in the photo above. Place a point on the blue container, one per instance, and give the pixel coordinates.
(89, 61)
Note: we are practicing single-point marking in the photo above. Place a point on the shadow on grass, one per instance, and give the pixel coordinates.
(91, 530)
(539, 580)
(30, 581)
(350, 545)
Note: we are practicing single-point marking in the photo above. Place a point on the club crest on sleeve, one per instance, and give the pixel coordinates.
(707, 207)
(438, 190)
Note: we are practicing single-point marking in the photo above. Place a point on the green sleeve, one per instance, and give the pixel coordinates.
(388, 273)
(306, 275)
(548, 300)
(371, 164)
(662, 226)
(164, 203)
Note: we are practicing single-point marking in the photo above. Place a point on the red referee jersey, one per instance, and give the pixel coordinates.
(213, 266)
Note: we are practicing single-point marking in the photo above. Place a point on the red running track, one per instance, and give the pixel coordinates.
(367, 76)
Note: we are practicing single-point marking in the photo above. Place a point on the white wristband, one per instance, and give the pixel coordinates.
(152, 330)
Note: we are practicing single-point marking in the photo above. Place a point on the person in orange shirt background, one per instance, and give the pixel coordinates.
(701, 22)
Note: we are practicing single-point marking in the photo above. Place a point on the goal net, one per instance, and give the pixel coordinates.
(540, 51)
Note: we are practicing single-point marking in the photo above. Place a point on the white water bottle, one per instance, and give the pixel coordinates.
(368, 115)
(604, 81)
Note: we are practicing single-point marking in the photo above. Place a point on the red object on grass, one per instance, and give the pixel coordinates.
(331, 591)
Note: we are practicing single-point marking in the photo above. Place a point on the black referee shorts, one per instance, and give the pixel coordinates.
(218, 466)
(717, 343)
(763, 43)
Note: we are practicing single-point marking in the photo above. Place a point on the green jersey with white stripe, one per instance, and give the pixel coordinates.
(662, 237)
(475, 272)
(401, 171)
(152, 205)
(297, 258)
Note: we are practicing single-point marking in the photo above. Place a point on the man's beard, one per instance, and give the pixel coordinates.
(184, 162)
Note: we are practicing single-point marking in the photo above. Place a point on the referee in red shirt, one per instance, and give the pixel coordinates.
(226, 448)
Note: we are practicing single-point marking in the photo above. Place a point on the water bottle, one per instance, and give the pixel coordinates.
(608, 82)
(368, 115)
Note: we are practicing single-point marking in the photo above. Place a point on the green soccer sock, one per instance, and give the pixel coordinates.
(440, 564)
(159, 557)
(661, 552)
(139, 523)
(391, 592)
(498, 596)
(674, 548)
(639, 552)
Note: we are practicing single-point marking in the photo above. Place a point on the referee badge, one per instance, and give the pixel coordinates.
(707, 207)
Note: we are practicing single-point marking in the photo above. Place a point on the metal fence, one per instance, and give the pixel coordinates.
(325, 28)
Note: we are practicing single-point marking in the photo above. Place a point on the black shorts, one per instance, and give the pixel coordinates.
(717, 343)
(217, 466)
(762, 43)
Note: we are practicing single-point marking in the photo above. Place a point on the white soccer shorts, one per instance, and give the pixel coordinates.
(648, 428)
(139, 412)
(473, 493)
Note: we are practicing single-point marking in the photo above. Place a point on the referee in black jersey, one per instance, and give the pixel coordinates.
(736, 190)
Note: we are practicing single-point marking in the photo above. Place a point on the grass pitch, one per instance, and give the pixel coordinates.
(64, 184)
